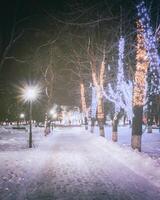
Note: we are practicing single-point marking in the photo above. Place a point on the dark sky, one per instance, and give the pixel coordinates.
(40, 21)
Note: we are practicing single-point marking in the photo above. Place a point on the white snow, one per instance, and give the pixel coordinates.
(72, 163)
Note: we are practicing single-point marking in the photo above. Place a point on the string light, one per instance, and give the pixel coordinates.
(97, 95)
(122, 95)
(152, 52)
(102, 71)
(94, 103)
(83, 99)
(120, 76)
(141, 68)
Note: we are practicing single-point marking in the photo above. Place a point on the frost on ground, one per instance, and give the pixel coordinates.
(71, 163)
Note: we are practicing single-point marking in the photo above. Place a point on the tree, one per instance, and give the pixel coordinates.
(98, 84)
(139, 88)
(153, 76)
(121, 95)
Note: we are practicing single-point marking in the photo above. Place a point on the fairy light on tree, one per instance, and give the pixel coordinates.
(94, 103)
(83, 99)
(141, 68)
(100, 103)
(93, 108)
(139, 87)
(153, 78)
(127, 91)
(120, 80)
(120, 77)
(98, 81)
(84, 105)
(121, 95)
(102, 71)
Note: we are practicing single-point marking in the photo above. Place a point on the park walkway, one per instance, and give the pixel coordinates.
(77, 167)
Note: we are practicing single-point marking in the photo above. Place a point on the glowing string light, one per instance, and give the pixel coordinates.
(122, 95)
(83, 99)
(152, 52)
(94, 103)
(141, 68)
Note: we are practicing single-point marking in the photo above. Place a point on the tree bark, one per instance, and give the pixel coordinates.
(101, 127)
(152, 110)
(100, 116)
(137, 127)
(92, 124)
(115, 127)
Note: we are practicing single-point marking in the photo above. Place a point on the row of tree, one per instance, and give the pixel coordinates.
(129, 96)
(94, 56)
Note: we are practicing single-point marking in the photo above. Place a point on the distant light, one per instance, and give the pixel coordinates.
(22, 115)
(55, 115)
(51, 112)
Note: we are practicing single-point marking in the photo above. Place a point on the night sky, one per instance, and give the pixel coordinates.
(30, 29)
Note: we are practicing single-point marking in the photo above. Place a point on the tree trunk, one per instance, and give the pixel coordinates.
(45, 121)
(149, 129)
(101, 127)
(86, 123)
(124, 119)
(115, 127)
(150, 114)
(83, 104)
(100, 116)
(136, 142)
(92, 124)
(137, 127)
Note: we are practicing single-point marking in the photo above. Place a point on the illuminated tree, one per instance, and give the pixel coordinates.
(83, 99)
(139, 88)
(153, 78)
(98, 82)
(83, 104)
(120, 80)
(93, 108)
(121, 95)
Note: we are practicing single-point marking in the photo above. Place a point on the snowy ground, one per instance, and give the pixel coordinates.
(73, 164)
(150, 141)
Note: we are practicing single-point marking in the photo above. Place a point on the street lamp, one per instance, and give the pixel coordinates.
(22, 116)
(30, 93)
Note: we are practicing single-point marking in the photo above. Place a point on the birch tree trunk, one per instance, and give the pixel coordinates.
(100, 116)
(115, 127)
(98, 82)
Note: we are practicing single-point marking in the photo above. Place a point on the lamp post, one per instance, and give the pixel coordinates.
(30, 124)
(30, 94)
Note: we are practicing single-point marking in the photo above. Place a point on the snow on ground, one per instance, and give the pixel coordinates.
(72, 163)
(150, 141)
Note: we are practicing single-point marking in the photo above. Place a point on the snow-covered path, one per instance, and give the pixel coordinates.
(74, 165)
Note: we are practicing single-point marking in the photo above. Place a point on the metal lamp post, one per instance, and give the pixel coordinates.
(30, 124)
(30, 94)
